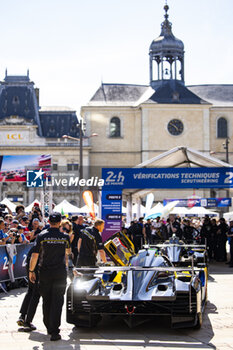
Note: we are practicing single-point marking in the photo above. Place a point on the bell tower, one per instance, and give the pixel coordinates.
(166, 56)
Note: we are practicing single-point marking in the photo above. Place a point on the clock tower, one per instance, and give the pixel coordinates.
(166, 56)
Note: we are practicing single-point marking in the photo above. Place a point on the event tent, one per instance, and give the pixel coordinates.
(29, 207)
(84, 210)
(10, 205)
(162, 211)
(201, 211)
(228, 216)
(155, 211)
(176, 157)
(66, 208)
(181, 211)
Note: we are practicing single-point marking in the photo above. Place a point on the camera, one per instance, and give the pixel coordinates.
(16, 235)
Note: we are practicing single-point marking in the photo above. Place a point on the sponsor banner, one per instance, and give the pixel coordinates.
(200, 202)
(13, 261)
(14, 168)
(119, 178)
(111, 212)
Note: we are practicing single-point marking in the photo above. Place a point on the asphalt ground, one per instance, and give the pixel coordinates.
(216, 332)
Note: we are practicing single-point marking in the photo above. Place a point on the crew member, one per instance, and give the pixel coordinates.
(51, 247)
(77, 227)
(90, 243)
(174, 227)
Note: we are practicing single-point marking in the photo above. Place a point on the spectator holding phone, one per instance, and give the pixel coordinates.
(19, 211)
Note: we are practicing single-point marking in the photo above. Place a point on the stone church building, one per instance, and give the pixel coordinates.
(138, 122)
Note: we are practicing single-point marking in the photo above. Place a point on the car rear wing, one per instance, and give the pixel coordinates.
(104, 269)
(164, 245)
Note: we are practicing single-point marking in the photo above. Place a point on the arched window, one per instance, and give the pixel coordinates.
(115, 127)
(222, 128)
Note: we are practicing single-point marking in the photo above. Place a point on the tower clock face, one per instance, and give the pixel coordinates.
(175, 127)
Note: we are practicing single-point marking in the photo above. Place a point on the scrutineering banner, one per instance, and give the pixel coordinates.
(119, 178)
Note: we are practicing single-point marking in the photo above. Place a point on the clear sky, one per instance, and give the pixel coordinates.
(69, 46)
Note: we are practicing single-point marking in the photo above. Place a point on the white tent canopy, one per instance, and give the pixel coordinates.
(176, 157)
(30, 206)
(181, 211)
(85, 210)
(201, 211)
(66, 208)
(182, 156)
(10, 205)
(228, 216)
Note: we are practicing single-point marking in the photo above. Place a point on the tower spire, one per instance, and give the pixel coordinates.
(166, 55)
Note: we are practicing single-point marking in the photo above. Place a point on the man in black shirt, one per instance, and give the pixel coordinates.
(77, 222)
(136, 232)
(174, 227)
(51, 247)
(147, 230)
(90, 243)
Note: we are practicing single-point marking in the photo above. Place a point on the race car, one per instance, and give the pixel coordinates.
(137, 288)
(181, 254)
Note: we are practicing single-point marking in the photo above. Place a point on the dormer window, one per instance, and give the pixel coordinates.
(15, 100)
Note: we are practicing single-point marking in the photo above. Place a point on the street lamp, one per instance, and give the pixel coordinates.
(226, 147)
(80, 139)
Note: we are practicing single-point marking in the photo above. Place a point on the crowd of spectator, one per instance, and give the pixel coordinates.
(22, 228)
(215, 234)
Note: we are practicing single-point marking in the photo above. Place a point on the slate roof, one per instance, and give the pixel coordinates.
(119, 93)
(217, 94)
(18, 98)
(58, 123)
(171, 92)
(175, 93)
(15, 100)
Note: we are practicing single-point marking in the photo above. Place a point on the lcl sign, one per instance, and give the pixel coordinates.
(14, 136)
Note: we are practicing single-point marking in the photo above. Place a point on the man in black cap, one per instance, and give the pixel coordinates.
(51, 247)
(90, 244)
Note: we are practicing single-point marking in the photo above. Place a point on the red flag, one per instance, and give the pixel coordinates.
(88, 199)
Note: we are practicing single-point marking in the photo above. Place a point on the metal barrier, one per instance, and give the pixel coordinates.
(13, 259)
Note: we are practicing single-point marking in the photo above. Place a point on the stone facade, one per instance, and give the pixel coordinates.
(28, 129)
(153, 119)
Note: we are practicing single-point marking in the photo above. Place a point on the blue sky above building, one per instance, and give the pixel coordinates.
(70, 46)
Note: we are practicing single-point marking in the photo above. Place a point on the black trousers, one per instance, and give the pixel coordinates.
(137, 241)
(30, 301)
(52, 289)
(86, 260)
(231, 252)
(75, 256)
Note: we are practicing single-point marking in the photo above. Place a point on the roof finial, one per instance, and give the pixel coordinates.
(166, 8)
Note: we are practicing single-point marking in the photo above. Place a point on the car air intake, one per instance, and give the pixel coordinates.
(117, 287)
(162, 287)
